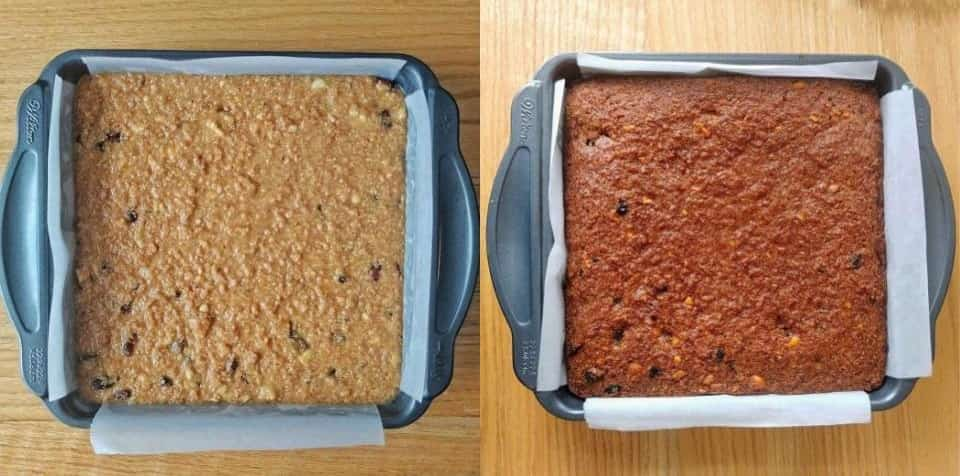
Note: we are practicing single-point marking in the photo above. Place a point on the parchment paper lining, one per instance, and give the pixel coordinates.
(907, 301)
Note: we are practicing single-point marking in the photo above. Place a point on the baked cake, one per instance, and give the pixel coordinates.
(239, 238)
(725, 235)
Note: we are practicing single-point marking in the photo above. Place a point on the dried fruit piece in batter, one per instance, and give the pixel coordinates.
(385, 120)
(165, 381)
(622, 208)
(122, 394)
(232, 366)
(102, 382)
(592, 375)
(375, 271)
(131, 216)
(856, 260)
(129, 345)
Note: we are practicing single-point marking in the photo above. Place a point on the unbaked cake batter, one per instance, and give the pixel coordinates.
(239, 238)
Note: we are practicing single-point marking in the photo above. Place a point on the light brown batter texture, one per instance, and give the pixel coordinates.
(725, 235)
(239, 239)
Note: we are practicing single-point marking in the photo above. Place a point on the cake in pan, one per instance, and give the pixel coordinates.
(239, 238)
(725, 235)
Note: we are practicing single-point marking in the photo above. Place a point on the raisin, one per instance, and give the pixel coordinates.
(573, 349)
(101, 146)
(126, 307)
(332, 372)
(77, 139)
(385, 120)
(101, 383)
(397, 267)
(612, 389)
(320, 208)
(622, 208)
(661, 288)
(88, 356)
(719, 354)
(617, 300)
(375, 271)
(122, 394)
(618, 334)
(856, 260)
(165, 381)
(132, 216)
(298, 340)
(177, 293)
(113, 136)
(105, 266)
(341, 278)
(232, 366)
(654, 372)
(129, 345)
(592, 375)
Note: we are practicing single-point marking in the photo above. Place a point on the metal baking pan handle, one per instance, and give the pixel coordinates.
(25, 257)
(458, 236)
(513, 225)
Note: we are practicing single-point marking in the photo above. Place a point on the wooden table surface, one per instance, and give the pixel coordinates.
(518, 436)
(444, 35)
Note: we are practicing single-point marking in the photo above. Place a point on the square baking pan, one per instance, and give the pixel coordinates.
(519, 237)
(445, 251)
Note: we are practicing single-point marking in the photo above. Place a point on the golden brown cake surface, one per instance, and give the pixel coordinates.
(725, 235)
(239, 238)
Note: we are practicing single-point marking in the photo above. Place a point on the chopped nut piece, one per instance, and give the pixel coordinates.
(708, 379)
(677, 359)
(679, 374)
(688, 301)
(646, 200)
(757, 382)
(675, 341)
(833, 188)
(794, 341)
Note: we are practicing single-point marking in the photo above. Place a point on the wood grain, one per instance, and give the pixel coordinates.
(518, 436)
(445, 35)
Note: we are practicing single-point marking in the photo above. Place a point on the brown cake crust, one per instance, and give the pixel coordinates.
(239, 239)
(725, 235)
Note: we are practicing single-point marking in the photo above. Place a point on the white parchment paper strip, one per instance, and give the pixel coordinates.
(907, 303)
(908, 309)
(548, 378)
(862, 70)
(382, 67)
(659, 413)
(121, 429)
(262, 426)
